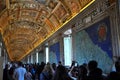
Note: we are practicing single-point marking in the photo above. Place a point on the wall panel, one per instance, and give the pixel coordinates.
(94, 43)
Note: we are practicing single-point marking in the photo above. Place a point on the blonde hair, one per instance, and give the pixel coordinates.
(48, 68)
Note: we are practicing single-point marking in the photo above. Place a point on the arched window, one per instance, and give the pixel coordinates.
(68, 48)
(47, 53)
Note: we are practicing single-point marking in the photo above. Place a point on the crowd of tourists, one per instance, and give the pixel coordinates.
(48, 71)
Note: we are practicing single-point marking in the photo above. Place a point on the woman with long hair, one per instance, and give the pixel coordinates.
(61, 74)
(47, 72)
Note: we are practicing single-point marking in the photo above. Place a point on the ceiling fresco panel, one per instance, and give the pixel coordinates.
(49, 24)
(83, 3)
(61, 13)
(2, 5)
(48, 28)
(26, 24)
(29, 13)
(73, 5)
(43, 32)
(54, 21)
(51, 4)
(4, 20)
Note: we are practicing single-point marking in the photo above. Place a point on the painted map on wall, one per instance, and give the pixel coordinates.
(94, 43)
(2, 5)
(41, 56)
(54, 55)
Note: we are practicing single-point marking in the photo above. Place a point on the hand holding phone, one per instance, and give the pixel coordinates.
(75, 64)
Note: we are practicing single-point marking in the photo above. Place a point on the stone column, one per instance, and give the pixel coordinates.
(37, 56)
(61, 48)
(73, 43)
(119, 22)
(1, 61)
(46, 52)
(118, 11)
(31, 57)
(1, 67)
(119, 7)
(28, 59)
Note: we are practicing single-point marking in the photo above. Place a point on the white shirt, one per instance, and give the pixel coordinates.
(19, 73)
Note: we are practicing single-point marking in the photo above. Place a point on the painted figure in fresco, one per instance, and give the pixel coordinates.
(102, 32)
(84, 2)
(52, 4)
(74, 6)
(60, 12)
(2, 5)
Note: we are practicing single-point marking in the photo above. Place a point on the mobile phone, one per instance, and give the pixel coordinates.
(75, 64)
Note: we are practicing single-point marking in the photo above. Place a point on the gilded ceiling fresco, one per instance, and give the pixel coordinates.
(2, 5)
(25, 24)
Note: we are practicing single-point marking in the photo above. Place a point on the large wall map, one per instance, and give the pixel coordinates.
(94, 43)
(54, 55)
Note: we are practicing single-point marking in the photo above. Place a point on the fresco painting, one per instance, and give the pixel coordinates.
(54, 55)
(2, 5)
(95, 44)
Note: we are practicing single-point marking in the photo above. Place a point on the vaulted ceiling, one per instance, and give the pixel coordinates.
(25, 24)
